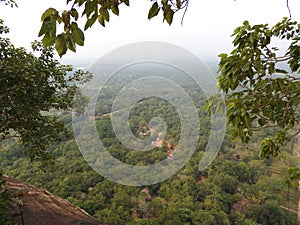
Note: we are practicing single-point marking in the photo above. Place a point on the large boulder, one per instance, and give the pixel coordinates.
(35, 206)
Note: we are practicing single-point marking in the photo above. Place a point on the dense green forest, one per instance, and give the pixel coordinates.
(238, 188)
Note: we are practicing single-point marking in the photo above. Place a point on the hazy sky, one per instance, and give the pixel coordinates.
(206, 30)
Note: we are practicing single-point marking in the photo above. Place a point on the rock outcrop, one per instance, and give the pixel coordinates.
(34, 206)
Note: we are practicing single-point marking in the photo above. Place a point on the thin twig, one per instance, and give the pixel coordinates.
(185, 10)
(261, 128)
(294, 135)
(73, 5)
(287, 5)
(288, 209)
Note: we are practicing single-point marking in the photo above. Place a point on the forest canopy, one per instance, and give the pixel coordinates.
(238, 188)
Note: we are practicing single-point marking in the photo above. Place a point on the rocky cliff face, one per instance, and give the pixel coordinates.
(34, 206)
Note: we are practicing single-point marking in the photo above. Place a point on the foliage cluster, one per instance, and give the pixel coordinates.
(31, 85)
(92, 11)
(262, 83)
(238, 188)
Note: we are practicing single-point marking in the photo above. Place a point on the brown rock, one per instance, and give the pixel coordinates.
(34, 206)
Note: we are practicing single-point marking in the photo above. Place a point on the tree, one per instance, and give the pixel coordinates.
(262, 84)
(93, 10)
(260, 92)
(269, 213)
(31, 86)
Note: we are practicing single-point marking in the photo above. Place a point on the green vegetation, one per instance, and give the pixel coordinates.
(31, 85)
(231, 191)
(238, 188)
(92, 11)
(263, 85)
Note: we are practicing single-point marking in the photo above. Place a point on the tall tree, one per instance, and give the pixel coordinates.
(31, 85)
(262, 84)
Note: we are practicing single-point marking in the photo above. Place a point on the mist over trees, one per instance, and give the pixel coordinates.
(262, 89)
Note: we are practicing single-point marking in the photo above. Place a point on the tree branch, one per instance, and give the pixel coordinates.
(73, 5)
(287, 5)
(294, 135)
(185, 10)
(277, 59)
(291, 210)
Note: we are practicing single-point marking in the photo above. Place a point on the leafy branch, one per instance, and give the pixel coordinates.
(262, 92)
(93, 10)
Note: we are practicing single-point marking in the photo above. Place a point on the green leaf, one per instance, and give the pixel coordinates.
(269, 148)
(70, 43)
(74, 14)
(101, 20)
(61, 45)
(43, 29)
(91, 21)
(90, 6)
(115, 9)
(59, 19)
(49, 12)
(74, 26)
(106, 15)
(49, 30)
(246, 23)
(78, 36)
(154, 10)
(47, 40)
(66, 17)
(168, 14)
(126, 2)
(247, 120)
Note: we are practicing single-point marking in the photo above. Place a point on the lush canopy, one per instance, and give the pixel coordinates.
(262, 86)
(262, 83)
(31, 86)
